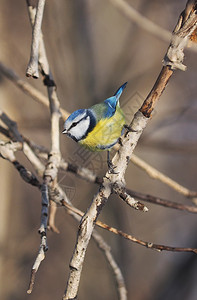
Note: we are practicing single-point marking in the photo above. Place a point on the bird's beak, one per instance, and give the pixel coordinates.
(64, 131)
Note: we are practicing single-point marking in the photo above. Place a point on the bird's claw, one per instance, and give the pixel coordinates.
(111, 168)
(127, 127)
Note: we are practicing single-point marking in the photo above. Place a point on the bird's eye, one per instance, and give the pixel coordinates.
(73, 124)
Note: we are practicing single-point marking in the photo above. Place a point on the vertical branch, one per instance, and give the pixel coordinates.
(51, 171)
(42, 231)
(118, 274)
(32, 68)
(38, 55)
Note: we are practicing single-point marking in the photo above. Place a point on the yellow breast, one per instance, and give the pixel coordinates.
(106, 132)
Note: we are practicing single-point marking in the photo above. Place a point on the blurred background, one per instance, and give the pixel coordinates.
(92, 49)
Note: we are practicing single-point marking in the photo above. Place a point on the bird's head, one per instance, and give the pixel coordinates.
(79, 124)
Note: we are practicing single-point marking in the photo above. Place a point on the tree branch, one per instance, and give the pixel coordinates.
(130, 237)
(27, 88)
(155, 174)
(141, 21)
(120, 161)
(32, 68)
(12, 126)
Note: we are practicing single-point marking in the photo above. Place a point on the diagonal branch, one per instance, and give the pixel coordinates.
(141, 21)
(13, 129)
(27, 88)
(155, 174)
(120, 160)
(131, 238)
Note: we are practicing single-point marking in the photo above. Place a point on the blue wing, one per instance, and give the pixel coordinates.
(120, 90)
(112, 101)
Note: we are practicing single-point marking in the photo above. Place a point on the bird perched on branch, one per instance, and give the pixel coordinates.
(98, 127)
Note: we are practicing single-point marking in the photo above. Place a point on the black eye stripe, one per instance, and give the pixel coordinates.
(75, 123)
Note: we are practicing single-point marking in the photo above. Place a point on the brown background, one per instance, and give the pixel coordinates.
(92, 49)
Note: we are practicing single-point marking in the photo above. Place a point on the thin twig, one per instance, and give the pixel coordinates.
(12, 126)
(154, 173)
(42, 231)
(112, 263)
(132, 238)
(122, 193)
(132, 14)
(163, 202)
(27, 88)
(141, 21)
(5, 132)
(32, 68)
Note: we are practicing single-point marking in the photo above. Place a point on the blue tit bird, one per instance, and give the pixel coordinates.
(98, 127)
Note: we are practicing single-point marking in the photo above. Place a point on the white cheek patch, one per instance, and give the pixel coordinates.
(80, 129)
(68, 122)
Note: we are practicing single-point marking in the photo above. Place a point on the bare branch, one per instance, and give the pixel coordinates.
(117, 272)
(132, 238)
(18, 137)
(27, 88)
(32, 68)
(122, 193)
(186, 25)
(141, 21)
(129, 12)
(42, 231)
(5, 132)
(52, 213)
(163, 202)
(7, 150)
(154, 173)
(120, 161)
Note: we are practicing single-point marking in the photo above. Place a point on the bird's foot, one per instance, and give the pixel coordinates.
(112, 168)
(127, 127)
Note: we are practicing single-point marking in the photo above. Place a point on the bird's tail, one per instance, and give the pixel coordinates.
(120, 90)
